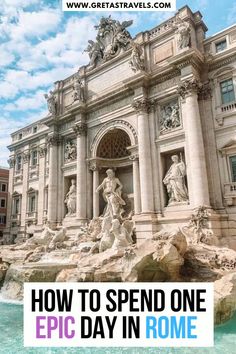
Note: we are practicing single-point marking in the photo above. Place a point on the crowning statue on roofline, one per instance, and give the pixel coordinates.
(112, 37)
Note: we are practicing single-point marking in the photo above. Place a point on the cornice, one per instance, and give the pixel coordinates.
(216, 63)
(191, 57)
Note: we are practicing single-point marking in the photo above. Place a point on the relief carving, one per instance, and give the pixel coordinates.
(70, 151)
(170, 117)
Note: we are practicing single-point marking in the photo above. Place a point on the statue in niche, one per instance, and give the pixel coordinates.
(170, 117)
(183, 33)
(136, 61)
(51, 102)
(70, 200)
(175, 182)
(78, 90)
(112, 189)
(70, 151)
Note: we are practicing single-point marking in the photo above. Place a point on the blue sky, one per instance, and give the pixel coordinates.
(40, 44)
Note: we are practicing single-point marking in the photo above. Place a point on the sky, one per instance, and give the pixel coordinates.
(39, 44)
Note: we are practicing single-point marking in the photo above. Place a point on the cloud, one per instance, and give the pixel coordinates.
(6, 57)
(231, 15)
(16, 81)
(30, 24)
(31, 102)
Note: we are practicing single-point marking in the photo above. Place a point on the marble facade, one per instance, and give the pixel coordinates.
(140, 107)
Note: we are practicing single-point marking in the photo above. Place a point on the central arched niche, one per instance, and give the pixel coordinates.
(114, 145)
(113, 150)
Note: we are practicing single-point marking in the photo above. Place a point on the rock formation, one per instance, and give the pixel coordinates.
(104, 250)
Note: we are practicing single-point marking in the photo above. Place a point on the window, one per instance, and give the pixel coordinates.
(16, 206)
(32, 203)
(34, 158)
(220, 46)
(18, 163)
(2, 219)
(2, 203)
(20, 136)
(227, 91)
(3, 187)
(35, 129)
(232, 160)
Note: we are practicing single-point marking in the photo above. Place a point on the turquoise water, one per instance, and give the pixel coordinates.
(11, 339)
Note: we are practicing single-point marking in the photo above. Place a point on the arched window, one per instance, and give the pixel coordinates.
(114, 145)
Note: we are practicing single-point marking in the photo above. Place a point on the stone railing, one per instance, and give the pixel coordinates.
(31, 215)
(230, 193)
(230, 107)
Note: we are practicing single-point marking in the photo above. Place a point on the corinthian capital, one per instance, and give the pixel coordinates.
(143, 105)
(205, 92)
(80, 128)
(53, 139)
(189, 86)
(11, 161)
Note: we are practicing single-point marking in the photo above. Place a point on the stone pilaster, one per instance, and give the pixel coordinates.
(24, 202)
(11, 163)
(53, 142)
(195, 154)
(42, 150)
(136, 184)
(142, 107)
(80, 129)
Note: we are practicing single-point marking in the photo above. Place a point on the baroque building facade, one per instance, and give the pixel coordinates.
(159, 110)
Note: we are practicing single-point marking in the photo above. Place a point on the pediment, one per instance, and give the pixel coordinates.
(229, 146)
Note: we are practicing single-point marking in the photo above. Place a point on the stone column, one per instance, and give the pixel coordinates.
(53, 142)
(212, 163)
(24, 201)
(94, 168)
(142, 107)
(60, 181)
(42, 165)
(11, 162)
(195, 154)
(80, 129)
(136, 184)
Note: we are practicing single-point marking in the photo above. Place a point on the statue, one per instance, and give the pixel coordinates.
(170, 117)
(122, 237)
(78, 90)
(136, 61)
(183, 34)
(95, 53)
(112, 37)
(58, 238)
(107, 238)
(70, 151)
(112, 189)
(51, 101)
(70, 200)
(175, 183)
